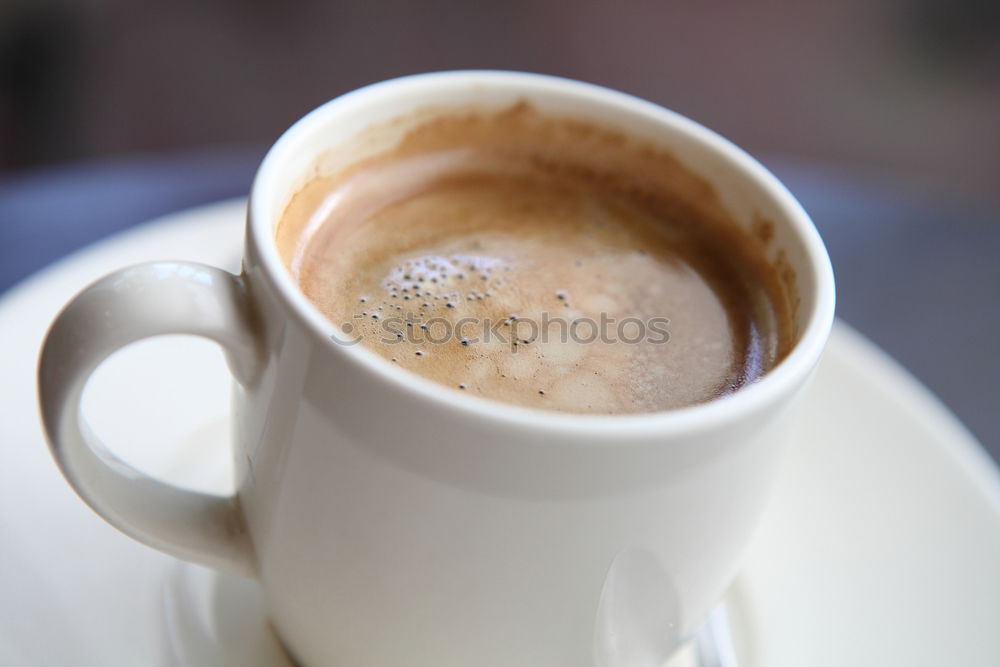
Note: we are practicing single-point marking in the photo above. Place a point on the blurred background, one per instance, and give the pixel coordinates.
(883, 116)
(911, 86)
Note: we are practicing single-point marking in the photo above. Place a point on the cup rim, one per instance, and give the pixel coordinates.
(791, 371)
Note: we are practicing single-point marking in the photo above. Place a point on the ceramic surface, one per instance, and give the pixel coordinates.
(879, 547)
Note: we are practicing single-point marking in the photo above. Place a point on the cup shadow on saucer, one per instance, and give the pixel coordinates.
(211, 619)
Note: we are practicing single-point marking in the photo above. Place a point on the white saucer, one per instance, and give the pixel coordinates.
(881, 547)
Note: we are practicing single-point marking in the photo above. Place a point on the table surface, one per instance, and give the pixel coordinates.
(918, 271)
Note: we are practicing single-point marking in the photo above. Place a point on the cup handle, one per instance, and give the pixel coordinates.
(126, 306)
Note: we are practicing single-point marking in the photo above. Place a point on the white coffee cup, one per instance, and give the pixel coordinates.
(393, 521)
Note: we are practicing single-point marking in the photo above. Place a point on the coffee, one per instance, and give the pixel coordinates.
(540, 261)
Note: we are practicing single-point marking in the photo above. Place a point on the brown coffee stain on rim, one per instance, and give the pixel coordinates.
(762, 228)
